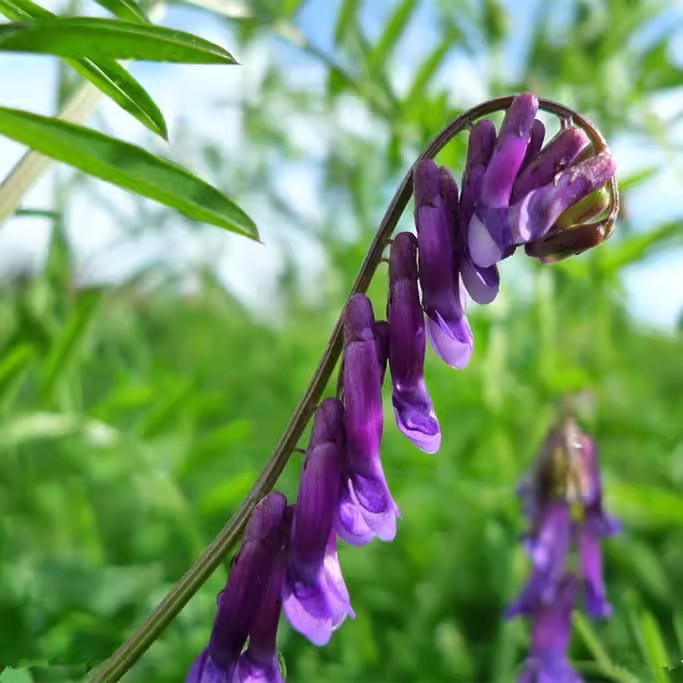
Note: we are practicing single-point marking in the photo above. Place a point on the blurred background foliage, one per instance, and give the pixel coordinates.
(135, 414)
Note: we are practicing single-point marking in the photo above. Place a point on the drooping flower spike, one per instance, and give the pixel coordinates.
(366, 509)
(563, 501)
(555, 200)
(412, 405)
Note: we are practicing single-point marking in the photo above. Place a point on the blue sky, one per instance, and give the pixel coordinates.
(185, 93)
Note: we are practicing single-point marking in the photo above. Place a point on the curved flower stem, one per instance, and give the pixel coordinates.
(126, 656)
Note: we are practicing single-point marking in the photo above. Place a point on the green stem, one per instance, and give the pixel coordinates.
(126, 656)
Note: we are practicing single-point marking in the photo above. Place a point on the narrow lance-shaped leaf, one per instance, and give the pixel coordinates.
(392, 33)
(106, 75)
(127, 166)
(65, 349)
(128, 10)
(79, 37)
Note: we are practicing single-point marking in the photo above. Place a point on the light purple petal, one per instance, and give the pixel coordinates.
(249, 671)
(350, 522)
(484, 250)
(452, 340)
(317, 607)
(204, 670)
(415, 416)
(481, 283)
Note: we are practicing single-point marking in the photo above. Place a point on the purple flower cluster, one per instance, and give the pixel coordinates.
(514, 192)
(563, 501)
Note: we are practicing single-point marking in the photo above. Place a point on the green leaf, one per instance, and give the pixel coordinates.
(79, 37)
(16, 676)
(128, 10)
(637, 178)
(127, 166)
(392, 33)
(638, 247)
(13, 362)
(65, 350)
(590, 638)
(345, 18)
(427, 70)
(653, 648)
(106, 75)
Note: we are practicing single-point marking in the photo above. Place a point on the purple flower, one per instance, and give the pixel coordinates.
(249, 606)
(563, 500)
(557, 155)
(366, 508)
(412, 405)
(510, 151)
(551, 633)
(597, 524)
(447, 326)
(493, 230)
(548, 549)
(481, 283)
(315, 597)
(536, 138)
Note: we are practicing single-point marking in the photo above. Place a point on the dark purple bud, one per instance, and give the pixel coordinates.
(366, 508)
(548, 548)
(316, 502)
(412, 405)
(535, 143)
(481, 145)
(481, 283)
(242, 599)
(315, 597)
(259, 664)
(508, 156)
(447, 326)
(557, 155)
(492, 230)
(551, 634)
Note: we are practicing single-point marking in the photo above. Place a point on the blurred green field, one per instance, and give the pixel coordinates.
(135, 416)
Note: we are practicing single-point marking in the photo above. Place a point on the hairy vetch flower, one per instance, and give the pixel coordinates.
(563, 501)
(521, 193)
(249, 606)
(315, 597)
(447, 326)
(550, 636)
(412, 405)
(481, 283)
(366, 508)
